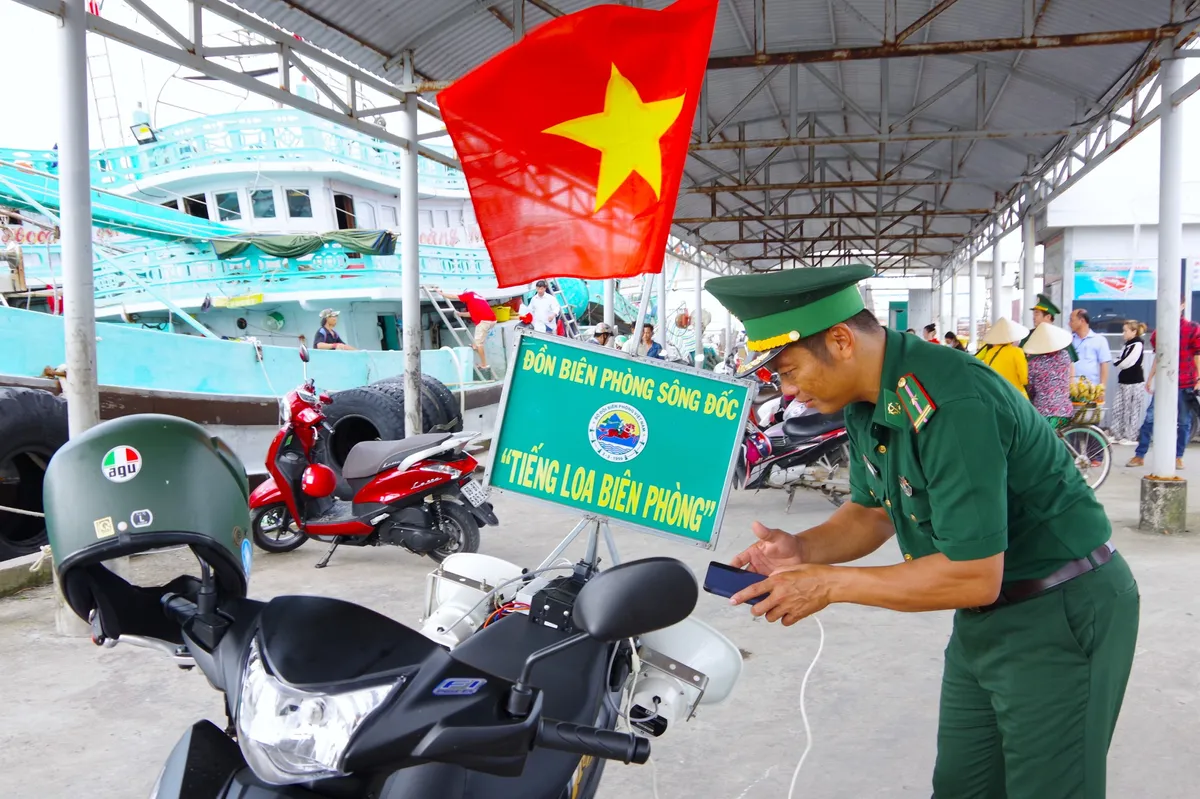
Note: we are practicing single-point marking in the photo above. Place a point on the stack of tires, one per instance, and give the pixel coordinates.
(33, 425)
(376, 412)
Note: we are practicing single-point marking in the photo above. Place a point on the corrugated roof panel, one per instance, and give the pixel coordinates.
(1023, 90)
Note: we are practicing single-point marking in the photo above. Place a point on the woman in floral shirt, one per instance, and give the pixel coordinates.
(1050, 371)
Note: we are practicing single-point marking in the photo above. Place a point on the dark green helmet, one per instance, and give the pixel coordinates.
(136, 484)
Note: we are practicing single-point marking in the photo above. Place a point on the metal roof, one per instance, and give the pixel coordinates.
(881, 130)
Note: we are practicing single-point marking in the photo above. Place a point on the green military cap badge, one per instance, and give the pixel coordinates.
(1046, 305)
(780, 308)
(915, 401)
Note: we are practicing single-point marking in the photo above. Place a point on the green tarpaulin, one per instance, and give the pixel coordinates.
(367, 242)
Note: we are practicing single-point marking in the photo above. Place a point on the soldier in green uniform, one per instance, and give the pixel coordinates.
(992, 520)
(1044, 311)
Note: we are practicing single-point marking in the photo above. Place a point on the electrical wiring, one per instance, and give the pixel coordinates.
(808, 742)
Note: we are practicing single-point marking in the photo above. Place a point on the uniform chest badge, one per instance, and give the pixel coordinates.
(870, 467)
(906, 487)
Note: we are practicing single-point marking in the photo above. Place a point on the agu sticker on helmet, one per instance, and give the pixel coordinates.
(121, 464)
(247, 555)
(618, 432)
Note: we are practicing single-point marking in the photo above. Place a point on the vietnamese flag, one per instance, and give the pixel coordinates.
(573, 140)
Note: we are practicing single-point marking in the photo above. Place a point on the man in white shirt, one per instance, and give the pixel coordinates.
(545, 309)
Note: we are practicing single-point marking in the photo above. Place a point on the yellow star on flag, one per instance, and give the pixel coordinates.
(627, 134)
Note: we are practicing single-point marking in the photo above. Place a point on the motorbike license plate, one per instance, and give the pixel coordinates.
(474, 492)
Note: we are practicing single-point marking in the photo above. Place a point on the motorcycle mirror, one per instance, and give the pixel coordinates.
(635, 598)
(303, 350)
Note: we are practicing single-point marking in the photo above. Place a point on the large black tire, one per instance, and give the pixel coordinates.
(462, 523)
(431, 416)
(265, 525)
(33, 425)
(362, 414)
(448, 402)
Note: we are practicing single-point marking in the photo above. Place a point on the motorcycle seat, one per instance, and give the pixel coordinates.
(812, 425)
(369, 458)
(573, 681)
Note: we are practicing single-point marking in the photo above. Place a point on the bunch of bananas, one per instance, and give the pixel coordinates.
(1085, 391)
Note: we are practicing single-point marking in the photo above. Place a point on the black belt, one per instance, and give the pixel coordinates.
(1019, 591)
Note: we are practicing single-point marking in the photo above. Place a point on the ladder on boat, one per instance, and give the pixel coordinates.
(104, 91)
(570, 323)
(454, 323)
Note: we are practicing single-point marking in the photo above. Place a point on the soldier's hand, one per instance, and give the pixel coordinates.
(790, 595)
(773, 551)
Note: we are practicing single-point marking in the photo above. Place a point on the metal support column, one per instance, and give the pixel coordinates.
(728, 333)
(1170, 250)
(1028, 270)
(79, 305)
(661, 336)
(610, 299)
(953, 326)
(410, 266)
(972, 303)
(75, 185)
(698, 317)
(997, 274)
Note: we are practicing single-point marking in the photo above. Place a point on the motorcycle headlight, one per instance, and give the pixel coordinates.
(288, 735)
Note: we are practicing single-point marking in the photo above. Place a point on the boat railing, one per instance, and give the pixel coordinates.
(279, 136)
(193, 269)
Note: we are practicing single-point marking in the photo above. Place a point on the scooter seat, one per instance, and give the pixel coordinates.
(369, 458)
(812, 425)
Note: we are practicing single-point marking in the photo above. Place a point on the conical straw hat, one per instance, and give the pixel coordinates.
(1047, 338)
(1005, 331)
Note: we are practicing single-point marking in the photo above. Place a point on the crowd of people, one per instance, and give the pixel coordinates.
(1044, 364)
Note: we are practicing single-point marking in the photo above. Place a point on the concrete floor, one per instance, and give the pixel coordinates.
(79, 720)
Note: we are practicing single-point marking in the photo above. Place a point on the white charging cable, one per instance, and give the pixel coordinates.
(808, 742)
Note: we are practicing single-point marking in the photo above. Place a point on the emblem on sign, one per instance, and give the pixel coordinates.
(121, 464)
(617, 432)
(893, 409)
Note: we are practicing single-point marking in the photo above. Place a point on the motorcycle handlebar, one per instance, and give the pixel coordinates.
(577, 739)
(178, 609)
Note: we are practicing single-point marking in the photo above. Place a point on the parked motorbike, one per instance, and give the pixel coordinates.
(326, 698)
(405, 493)
(790, 451)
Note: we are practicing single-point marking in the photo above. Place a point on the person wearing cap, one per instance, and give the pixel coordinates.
(1001, 353)
(603, 335)
(326, 337)
(992, 519)
(1050, 372)
(544, 308)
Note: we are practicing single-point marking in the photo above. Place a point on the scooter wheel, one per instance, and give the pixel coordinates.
(271, 526)
(463, 529)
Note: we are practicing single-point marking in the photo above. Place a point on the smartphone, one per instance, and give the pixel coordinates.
(725, 580)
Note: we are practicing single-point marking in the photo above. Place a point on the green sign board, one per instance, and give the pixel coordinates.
(639, 442)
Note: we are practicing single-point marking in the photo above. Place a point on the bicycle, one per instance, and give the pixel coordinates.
(1090, 447)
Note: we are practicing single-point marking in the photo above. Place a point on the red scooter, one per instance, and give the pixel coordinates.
(406, 493)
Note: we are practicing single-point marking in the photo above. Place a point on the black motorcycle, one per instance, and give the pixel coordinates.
(810, 451)
(325, 698)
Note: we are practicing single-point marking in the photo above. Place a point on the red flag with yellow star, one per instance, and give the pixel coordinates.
(573, 140)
